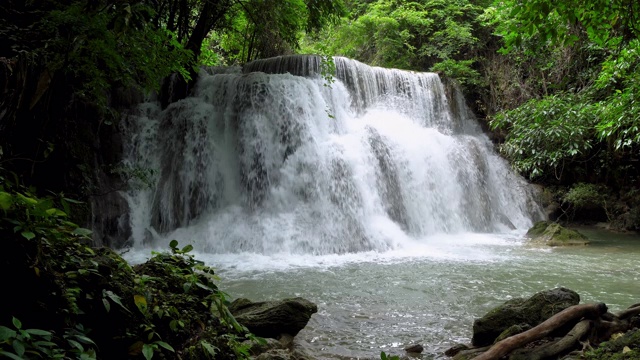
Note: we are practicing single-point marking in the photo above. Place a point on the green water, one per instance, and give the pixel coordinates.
(372, 302)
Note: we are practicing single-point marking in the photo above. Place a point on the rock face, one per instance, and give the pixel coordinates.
(552, 234)
(526, 313)
(270, 319)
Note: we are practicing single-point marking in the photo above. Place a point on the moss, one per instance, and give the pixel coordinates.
(556, 235)
(512, 330)
(553, 234)
(615, 349)
(538, 229)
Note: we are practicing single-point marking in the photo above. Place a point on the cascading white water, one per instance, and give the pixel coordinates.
(282, 163)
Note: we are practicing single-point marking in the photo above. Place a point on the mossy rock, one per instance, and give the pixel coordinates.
(553, 234)
(522, 312)
(538, 229)
(512, 330)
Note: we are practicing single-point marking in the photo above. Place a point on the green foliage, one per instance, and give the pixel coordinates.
(620, 112)
(625, 347)
(419, 35)
(545, 136)
(18, 343)
(606, 23)
(185, 279)
(37, 217)
(584, 111)
(586, 196)
(259, 29)
(97, 46)
(461, 70)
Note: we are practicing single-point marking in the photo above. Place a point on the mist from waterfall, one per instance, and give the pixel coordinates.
(273, 159)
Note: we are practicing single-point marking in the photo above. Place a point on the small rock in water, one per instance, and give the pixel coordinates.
(417, 348)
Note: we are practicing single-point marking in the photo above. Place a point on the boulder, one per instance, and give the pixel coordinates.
(522, 312)
(553, 234)
(270, 319)
(414, 349)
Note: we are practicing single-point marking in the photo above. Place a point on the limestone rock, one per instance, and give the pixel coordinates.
(553, 234)
(273, 318)
(531, 312)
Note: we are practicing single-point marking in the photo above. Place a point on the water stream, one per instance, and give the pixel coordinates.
(376, 196)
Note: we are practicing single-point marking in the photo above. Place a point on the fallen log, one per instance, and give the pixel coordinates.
(632, 311)
(559, 347)
(573, 313)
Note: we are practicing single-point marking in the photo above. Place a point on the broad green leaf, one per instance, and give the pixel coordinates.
(85, 339)
(147, 351)
(45, 343)
(116, 299)
(18, 347)
(81, 232)
(38, 332)
(209, 348)
(173, 325)
(141, 303)
(173, 244)
(165, 345)
(28, 235)
(187, 248)
(6, 333)
(28, 200)
(76, 344)
(16, 323)
(6, 200)
(10, 355)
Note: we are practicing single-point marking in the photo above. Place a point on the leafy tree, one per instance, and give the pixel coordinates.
(258, 29)
(584, 119)
(423, 35)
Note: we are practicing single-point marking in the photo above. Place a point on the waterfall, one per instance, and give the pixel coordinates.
(273, 158)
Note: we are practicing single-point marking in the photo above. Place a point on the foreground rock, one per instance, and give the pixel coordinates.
(521, 314)
(553, 234)
(555, 333)
(271, 319)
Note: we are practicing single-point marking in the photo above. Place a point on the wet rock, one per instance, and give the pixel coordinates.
(553, 234)
(416, 348)
(455, 349)
(256, 348)
(512, 330)
(531, 312)
(273, 318)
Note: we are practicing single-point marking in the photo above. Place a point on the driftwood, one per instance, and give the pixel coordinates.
(555, 348)
(632, 311)
(572, 314)
(570, 331)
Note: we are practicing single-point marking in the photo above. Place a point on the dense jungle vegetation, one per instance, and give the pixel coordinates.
(556, 83)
